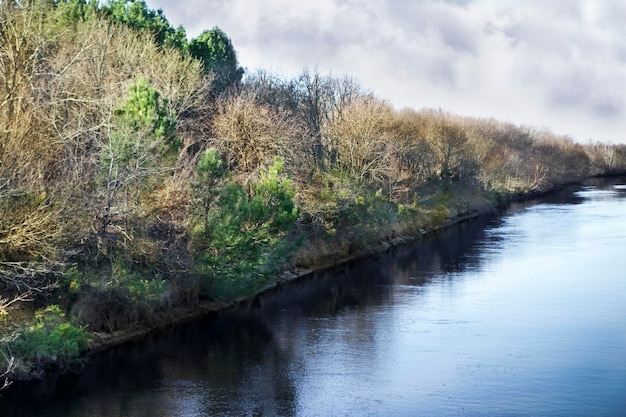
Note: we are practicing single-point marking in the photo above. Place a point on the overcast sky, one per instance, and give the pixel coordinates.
(556, 64)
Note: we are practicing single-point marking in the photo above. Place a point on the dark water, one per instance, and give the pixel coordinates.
(519, 315)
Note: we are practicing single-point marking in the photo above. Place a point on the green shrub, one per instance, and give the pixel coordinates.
(240, 238)
(144, 109)
(116, 295)
(144, 293)
(49, 339)
(372, 216)
(498, 197)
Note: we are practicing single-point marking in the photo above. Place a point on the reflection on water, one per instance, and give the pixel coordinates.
(518, 315)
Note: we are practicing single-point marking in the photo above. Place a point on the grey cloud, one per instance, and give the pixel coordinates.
(436, 21)
(609, 109)
(539, 59)
(585, 92)
(459, 38)
(612, 14)
(569, 96)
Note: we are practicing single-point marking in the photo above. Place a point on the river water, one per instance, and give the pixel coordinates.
(522, 314)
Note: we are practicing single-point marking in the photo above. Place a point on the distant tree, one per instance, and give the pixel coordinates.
(75, 10)
(271, 90)
(215, 49)
(321, 100)
(137, 15)
(311, 99)
(362, 142)
(447, 138)
(250, 134)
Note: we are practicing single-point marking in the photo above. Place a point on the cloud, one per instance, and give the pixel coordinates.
(547, 63)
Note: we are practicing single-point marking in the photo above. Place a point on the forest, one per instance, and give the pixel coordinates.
(142, 173)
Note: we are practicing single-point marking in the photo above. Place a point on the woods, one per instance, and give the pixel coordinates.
(140, 172)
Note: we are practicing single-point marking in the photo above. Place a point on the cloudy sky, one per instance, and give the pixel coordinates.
(555, 64)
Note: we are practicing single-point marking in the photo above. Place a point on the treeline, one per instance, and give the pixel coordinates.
(140, 172)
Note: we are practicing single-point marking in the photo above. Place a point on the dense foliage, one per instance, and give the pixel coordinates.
(214, 48)
(139, 172)
(239, 236)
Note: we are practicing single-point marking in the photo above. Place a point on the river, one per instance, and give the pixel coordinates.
(520, 314)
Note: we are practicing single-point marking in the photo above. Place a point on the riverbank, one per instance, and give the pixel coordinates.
(421, 309)
(101, 341)
(465, 208)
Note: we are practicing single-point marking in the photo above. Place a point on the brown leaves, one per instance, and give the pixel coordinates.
(251, 134)
(361, 141)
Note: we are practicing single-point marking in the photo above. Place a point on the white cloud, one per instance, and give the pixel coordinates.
(548, 63)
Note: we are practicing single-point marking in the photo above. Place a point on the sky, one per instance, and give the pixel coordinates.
(550, 64)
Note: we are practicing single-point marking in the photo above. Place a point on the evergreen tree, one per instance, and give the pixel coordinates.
(137, 15)
(215, 49)
(239, 237)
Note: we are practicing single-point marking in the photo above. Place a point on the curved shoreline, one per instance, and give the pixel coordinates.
(102, 341)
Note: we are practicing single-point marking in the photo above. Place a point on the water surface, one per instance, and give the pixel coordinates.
(516, 315)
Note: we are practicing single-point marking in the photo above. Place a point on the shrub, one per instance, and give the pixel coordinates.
(119, 295)
(50, 339)
(239, 237)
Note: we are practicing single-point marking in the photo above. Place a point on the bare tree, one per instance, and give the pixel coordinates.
(5, 373)
(311, 99)
(252, 134)
(447, 138)
(362, 141)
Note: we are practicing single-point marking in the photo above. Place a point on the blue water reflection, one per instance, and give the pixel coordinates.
(519, 315)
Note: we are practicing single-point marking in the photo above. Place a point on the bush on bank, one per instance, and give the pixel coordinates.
(141, 173)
